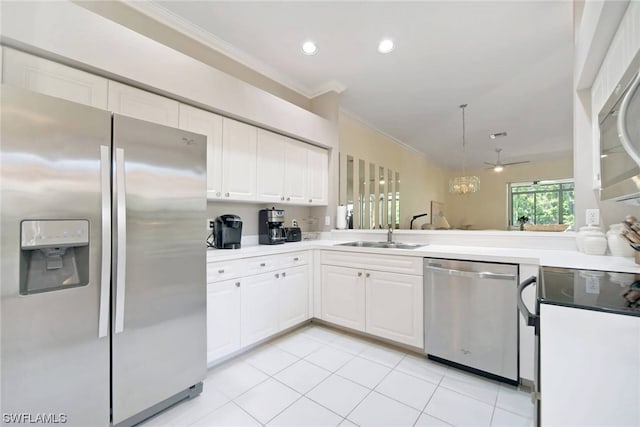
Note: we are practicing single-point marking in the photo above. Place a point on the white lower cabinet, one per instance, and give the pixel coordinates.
(259, 297)
(343, 296)
(258, 307)
(293, 293)
(223, 318)
(385, 304)
(394, 307)
(589, 368)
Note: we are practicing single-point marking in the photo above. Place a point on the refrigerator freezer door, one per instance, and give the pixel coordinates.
(159, 344)
(53, 362)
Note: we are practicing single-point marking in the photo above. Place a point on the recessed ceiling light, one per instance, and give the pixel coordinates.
(385, 46)
(309, 48)
(497, 135)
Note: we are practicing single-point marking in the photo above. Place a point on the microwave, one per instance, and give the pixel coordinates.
(619, 122)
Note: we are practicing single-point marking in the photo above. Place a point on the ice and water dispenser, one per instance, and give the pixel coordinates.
(54, 254)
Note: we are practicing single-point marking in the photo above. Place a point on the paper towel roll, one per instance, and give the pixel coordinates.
(341, 217)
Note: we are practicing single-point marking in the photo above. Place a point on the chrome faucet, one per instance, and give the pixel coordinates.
(390, 234)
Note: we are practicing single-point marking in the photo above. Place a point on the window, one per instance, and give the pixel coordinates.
(544, 202)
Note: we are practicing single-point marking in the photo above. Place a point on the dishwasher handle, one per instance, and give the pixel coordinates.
(530, 318)
(470, 274)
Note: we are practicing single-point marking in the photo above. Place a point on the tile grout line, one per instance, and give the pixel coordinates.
(373, 389)
(431, 397)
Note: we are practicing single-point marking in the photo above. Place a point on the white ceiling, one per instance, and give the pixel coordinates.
(511, 61)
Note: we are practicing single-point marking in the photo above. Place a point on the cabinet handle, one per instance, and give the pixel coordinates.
(284, 274)
(262, 264)
(237, 284)
(359, 273)
(310, 200)
(226, 194)
(367, 275)
(281, 197)
(218, 194)
(296, 259)
(277, 276)
(221, 271)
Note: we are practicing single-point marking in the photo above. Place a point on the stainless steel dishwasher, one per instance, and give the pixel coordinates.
(471, 316)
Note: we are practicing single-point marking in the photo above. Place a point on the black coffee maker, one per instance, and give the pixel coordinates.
(270, 226)
(227, 232)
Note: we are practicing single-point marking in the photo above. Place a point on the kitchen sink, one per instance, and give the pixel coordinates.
(385, 245)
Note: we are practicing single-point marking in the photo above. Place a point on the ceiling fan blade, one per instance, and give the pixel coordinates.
(490, 164)
(515, 163)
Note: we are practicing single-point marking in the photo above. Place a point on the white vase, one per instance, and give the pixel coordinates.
(594, 242)
(618, 245)
(581, 234)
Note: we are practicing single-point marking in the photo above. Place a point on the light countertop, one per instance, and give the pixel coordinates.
(545, 257)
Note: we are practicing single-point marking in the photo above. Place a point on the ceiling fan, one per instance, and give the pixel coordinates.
(498, 166)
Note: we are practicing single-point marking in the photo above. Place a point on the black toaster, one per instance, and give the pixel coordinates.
(293, 234)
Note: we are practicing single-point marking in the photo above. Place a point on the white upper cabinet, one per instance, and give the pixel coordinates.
(281, 169)
(143, 105)
(210, 125)
(53, 79)
(317, 176)
(295, 171)
(239, 154)
(270, 167)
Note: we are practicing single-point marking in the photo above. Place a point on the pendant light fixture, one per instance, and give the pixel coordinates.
(464, 184)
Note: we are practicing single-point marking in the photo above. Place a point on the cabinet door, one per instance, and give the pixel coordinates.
(238, 160)
(53, 79)
(223, 319)
(293, 290)
(259, 307)
(395, 307)
(317, 175)
(209, 124)
(594, 357)
(143, 105)
(295, 171)
(343, 295)
(270, 167)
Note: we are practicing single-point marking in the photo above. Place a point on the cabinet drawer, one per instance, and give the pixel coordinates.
(390, 263)
(259, 265)
(293, 259)
(225, 270)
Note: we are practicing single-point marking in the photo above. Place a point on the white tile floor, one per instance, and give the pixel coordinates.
(317, 376)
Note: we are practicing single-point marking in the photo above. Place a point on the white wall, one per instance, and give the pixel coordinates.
(601, 23)
(421, 180)
(488, 208)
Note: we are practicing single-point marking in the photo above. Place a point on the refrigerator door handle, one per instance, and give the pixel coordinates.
(121, 259)
(105, 272)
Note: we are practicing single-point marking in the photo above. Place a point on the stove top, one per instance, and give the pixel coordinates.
(593, 290)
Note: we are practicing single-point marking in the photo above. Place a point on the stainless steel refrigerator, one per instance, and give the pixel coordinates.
(102, 263)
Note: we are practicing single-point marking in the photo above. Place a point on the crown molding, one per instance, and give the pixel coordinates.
(189, 29)
(331, 86)
(383, 133)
